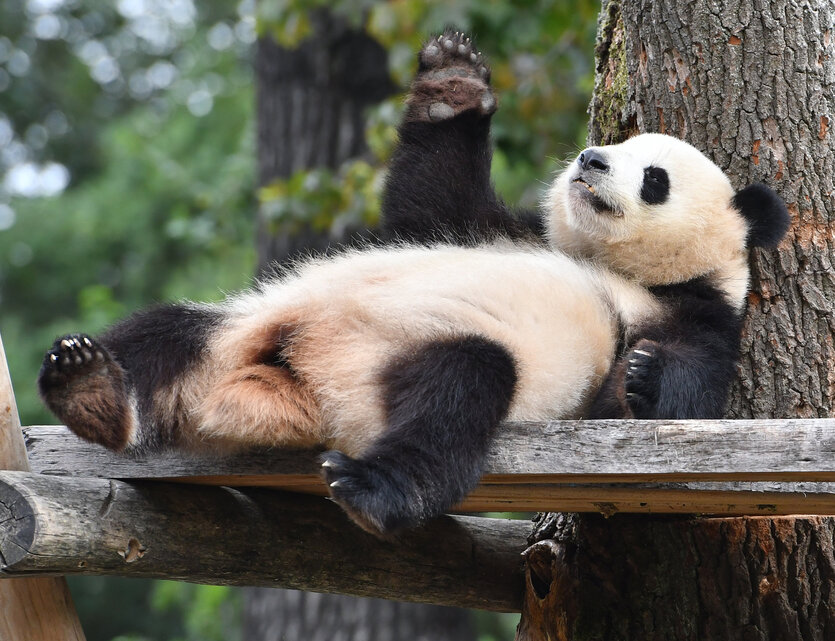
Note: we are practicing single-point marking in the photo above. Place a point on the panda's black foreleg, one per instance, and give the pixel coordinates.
(443, 402)
(438, 185)
(680, 367)
(677, 379)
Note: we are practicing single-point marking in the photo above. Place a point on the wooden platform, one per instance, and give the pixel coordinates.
(710, 467)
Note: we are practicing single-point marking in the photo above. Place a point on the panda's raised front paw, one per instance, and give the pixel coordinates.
(642, 379)
(452, 78)
(374, 497)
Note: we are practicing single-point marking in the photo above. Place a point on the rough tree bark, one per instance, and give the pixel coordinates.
(750, 84)
(311, 113)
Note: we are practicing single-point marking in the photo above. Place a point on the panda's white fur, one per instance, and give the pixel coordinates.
(313, 357)
(406, 358)
(352, 314)
(558, 311)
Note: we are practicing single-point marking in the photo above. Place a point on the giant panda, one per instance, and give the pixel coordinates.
(623, 297)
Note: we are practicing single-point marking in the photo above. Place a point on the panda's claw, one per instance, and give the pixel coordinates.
(642, 379)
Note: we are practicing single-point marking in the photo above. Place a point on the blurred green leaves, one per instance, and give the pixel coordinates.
(148, 104)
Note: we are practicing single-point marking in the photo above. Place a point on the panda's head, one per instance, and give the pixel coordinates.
(657, 210)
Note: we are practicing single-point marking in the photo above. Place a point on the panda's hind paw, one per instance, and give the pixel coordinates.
(452, 78)
(84, 386)
(71, 356)
(377, 500)
(643, 375)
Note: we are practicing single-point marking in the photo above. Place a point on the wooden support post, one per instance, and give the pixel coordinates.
(32, 609)
(253, 536)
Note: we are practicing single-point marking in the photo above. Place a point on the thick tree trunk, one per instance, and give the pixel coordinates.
(332, 617)
(311, 114)
(751, 85)
(311, 104)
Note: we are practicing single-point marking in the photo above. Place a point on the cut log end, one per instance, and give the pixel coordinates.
(18, 526)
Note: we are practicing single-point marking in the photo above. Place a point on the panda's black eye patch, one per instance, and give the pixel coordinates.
(656, 186)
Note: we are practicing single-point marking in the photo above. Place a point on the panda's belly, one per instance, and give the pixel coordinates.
(366, 309)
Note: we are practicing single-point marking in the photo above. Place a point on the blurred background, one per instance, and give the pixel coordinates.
(155, 150)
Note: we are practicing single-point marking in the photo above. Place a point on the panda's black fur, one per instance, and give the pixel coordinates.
(405, 359)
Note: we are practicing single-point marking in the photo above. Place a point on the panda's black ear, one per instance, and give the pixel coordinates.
(766, 214)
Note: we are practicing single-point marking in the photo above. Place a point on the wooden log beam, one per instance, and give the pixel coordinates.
(256, 536)
(711, 467)
(30, 608)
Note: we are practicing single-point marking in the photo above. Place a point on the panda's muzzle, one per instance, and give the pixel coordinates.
(587, 191)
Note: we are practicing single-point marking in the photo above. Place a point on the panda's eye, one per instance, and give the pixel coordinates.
(656, 186)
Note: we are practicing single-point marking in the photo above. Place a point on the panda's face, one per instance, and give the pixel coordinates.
(653, 208)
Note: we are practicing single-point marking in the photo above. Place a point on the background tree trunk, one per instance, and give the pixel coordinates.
(311, 114)
(751, 85)
(311, 104)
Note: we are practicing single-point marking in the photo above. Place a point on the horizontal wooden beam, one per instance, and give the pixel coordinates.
(711, 467)
(254, 536)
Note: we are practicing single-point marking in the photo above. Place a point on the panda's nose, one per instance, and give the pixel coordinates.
(591, 159)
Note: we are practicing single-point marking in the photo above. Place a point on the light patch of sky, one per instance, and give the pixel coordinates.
(200, 102)
(161, 74)
(221, 36)
(18, 63)
(7, 217)
(31, 180)
(34, 7)
(161, 24)
(47, 27)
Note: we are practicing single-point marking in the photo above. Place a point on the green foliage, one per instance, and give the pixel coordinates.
(541, 56)
(209, 612)
(167, 215)
(155, 134)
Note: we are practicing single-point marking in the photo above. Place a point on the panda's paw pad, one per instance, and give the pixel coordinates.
(642, 378)
(74, 355)
(452, 78)
(367, 494)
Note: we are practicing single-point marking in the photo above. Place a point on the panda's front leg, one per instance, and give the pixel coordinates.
(438, 185)
(443, 402)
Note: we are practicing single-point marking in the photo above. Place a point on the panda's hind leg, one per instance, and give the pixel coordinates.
(443, 402)
(85, 387)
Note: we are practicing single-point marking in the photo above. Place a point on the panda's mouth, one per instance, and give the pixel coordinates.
(589, 194)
